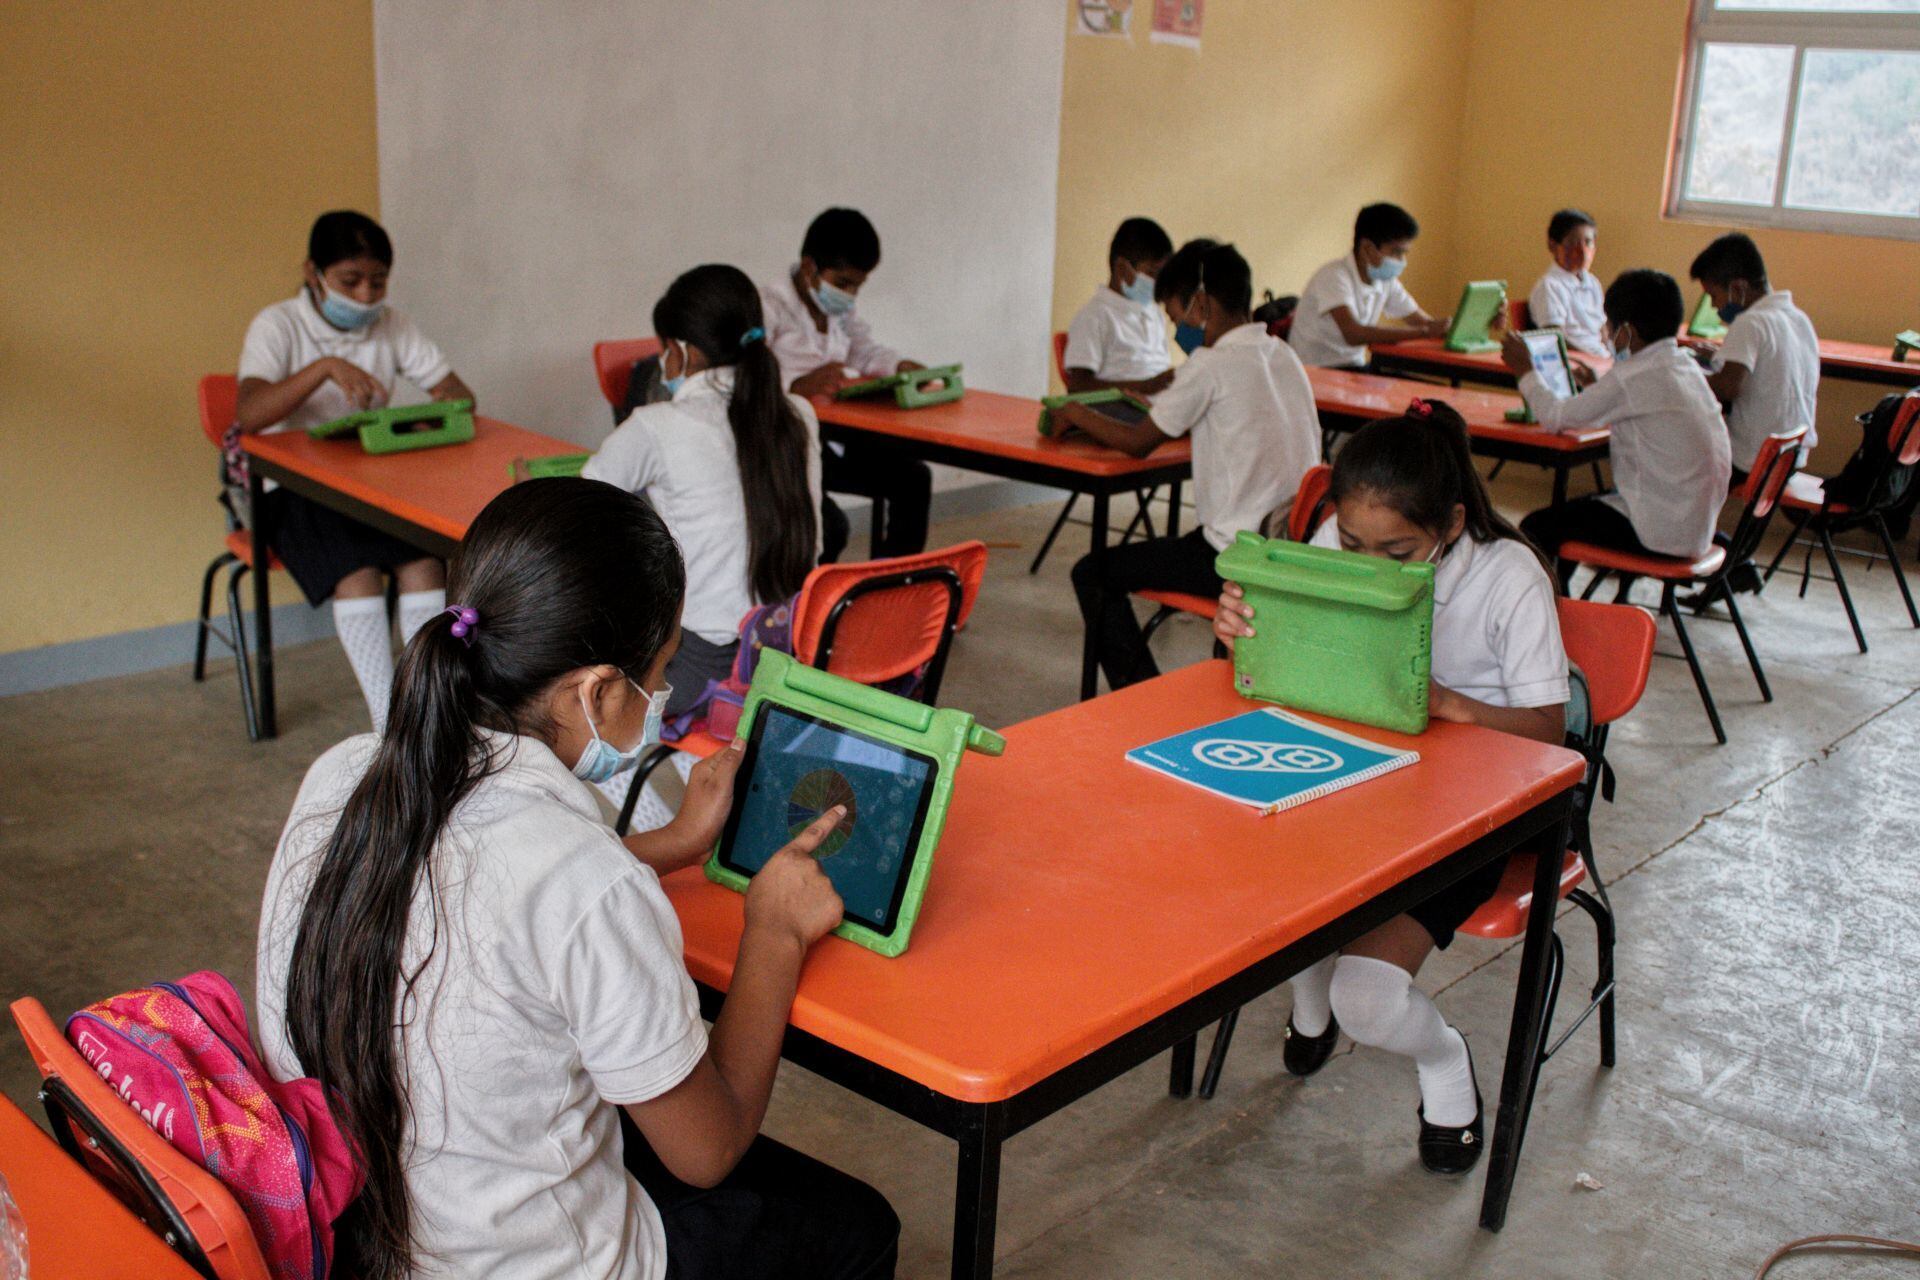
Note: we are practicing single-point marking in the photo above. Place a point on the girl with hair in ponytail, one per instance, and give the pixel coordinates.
(1405, 488)
(490, 983)
(731, 463)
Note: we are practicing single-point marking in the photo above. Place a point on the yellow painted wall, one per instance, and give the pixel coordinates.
(1292, 115)
(1573, 104)
(162, 162)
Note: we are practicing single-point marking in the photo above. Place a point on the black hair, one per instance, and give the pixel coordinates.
(715, 308)
(1383, 224)
(1140, 241)
(344, 234)
(564, 573)
(1732, 257)
(1227, 279)
(1180, 277)
(1420, 465)
(842, 239)
(1649, 301)
(1565, 221)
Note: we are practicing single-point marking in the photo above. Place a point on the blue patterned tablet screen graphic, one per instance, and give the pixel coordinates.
(801, 770)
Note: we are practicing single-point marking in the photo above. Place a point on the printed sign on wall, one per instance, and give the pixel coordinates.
(1177, 22)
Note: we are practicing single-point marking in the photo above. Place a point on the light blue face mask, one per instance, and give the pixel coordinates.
(672, 385)
(1617, 348)
(1188, 337)
(601, 760)
(1386, 269)
(831, 300)
(344, 313)
(1139, 289)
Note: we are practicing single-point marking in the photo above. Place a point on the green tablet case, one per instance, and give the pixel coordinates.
(403, 427)
(943, 733)
(1904, 341)
(561, 464)
(912, 389)
(1106, 395)
(1480, 305)
(1343, 634)
(1706, 321)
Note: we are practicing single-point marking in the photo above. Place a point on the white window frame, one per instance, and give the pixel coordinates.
(1801, 31)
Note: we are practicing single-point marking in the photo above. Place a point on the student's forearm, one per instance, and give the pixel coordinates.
(261, 404)
(1368, 335)
(747, 1035)
(663, 849)
(1541, 724)
(1136, 438)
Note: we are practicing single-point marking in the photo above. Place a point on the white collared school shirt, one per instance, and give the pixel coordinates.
(1316, 339)
(1496, 626)
(1248, 404)
(1775, 341)
(1573, 304)
(680, 454)
(801, 348)
(288, 336)
(1670, 456)
(1118, 339)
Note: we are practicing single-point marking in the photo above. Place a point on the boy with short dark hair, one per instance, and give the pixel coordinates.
(1344, 305)
(1118, 338)
(1767, 370)
(1569, 297)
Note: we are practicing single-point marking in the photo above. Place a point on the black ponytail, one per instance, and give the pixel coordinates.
(717, 309)
(1420, 465)
(563, 574)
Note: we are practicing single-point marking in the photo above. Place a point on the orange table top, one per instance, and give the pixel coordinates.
(440, 490)
(1865, 357)
(1351, 393)
(75, 1228)
(996, 425)
(1076, 895)
(1837, 359)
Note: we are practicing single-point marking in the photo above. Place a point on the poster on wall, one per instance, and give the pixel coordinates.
(1112, 18)
(1177, 22)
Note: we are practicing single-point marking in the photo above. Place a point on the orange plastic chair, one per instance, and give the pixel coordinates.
(1806, 497)
(1141, 517)
(869, 622)
(219, 394)
(1762, 491)
(1060, 355)
(1519, 314)
(185, 1205)
(613, 365)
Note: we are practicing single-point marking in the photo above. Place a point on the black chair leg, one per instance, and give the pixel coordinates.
(1899, 573)
(642, 770)
(206, 612)
(1672, 610)
(1217, 1056)
(1498, 467)
(1840, 581)
(1603, 966)
(1599, 576)
(1047, 544)
(1746, 641)
(1799, 526)
(1160, 616)
(242, 651)
(1599, 479)
(1142, 518)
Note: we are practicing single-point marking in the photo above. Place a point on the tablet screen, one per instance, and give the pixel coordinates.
(1549, 356)
(798, 767)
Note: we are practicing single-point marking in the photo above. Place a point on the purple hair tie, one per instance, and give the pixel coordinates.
(466, 621)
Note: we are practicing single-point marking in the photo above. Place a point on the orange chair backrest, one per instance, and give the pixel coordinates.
(1519, 314)
(219, 404)
(1060, 355)
(211, 1214)
(1903, 439)
(613, 364)
(887, 633)
(1613, 644)
(1773, 466)
(1304, 516)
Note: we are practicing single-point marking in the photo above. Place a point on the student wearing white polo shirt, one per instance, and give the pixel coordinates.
(1569, 297)
(490, 983)
(1357, 299)
(822, 345)
(1669, 448)
(1245, 399)
(333, 349)
(1767, 370)
(1118, 339)
(1405, 488)
(731, 463)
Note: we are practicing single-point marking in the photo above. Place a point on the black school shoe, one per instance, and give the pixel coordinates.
(1444, 1150)
(1304, 1054)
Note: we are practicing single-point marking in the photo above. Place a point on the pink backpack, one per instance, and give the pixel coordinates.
(181, 1055)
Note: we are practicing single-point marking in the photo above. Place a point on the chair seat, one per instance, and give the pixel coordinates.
(1504, 915)
(1808, 492)
(1181, 601)
(1666, 568)
(240, 546)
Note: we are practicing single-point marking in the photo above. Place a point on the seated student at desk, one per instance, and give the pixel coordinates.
(1245, 398)
(1669, 449)
(822, 346)
(1767, 369)
(1569, 297)
(1119, 338)
(333, 349)
(1357, 299)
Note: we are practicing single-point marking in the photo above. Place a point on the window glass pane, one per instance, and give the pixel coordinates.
(1824, 6)
(1740, 112)
(1856, 137)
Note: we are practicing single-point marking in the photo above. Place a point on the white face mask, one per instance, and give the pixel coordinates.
(1617, 347)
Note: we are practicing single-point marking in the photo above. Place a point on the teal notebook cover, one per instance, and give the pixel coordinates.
(1270, 759)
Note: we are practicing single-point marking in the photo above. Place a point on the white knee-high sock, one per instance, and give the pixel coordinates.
(1378, 1005)
(1312, 997)
(417, 608)
(362, 627)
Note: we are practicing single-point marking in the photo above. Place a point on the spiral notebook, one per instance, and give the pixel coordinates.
(1270, 759)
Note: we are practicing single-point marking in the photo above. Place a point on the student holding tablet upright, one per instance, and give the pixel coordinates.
(1357, 299)
(1569, 297)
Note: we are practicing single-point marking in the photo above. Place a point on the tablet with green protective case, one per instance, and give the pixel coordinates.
(403, 427)
(1480, 305)
(814, 741)
(1115, 403)
(1335, 632)
(1706, 322)
(560, 464)
(912, 388)
(1905, 342)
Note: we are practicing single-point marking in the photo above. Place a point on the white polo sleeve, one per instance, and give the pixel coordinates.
(629, 458)
(1741, 346)
(1602, 402)
(1523, 631)
(267, 351)
(1549, 306)
(1333, 286)
(1179, 408)
(417, 356)
(863, 353)
(1088, 339)
(1399, 301)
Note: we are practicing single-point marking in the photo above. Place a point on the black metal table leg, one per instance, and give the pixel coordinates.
(1180, 1073)
(1525, 1036)
(1090, 645)
(1173, 510)
(1559, 486)
(976, 1197)
(262, 610)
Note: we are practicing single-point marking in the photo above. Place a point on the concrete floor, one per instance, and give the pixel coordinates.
(1769, 1056)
